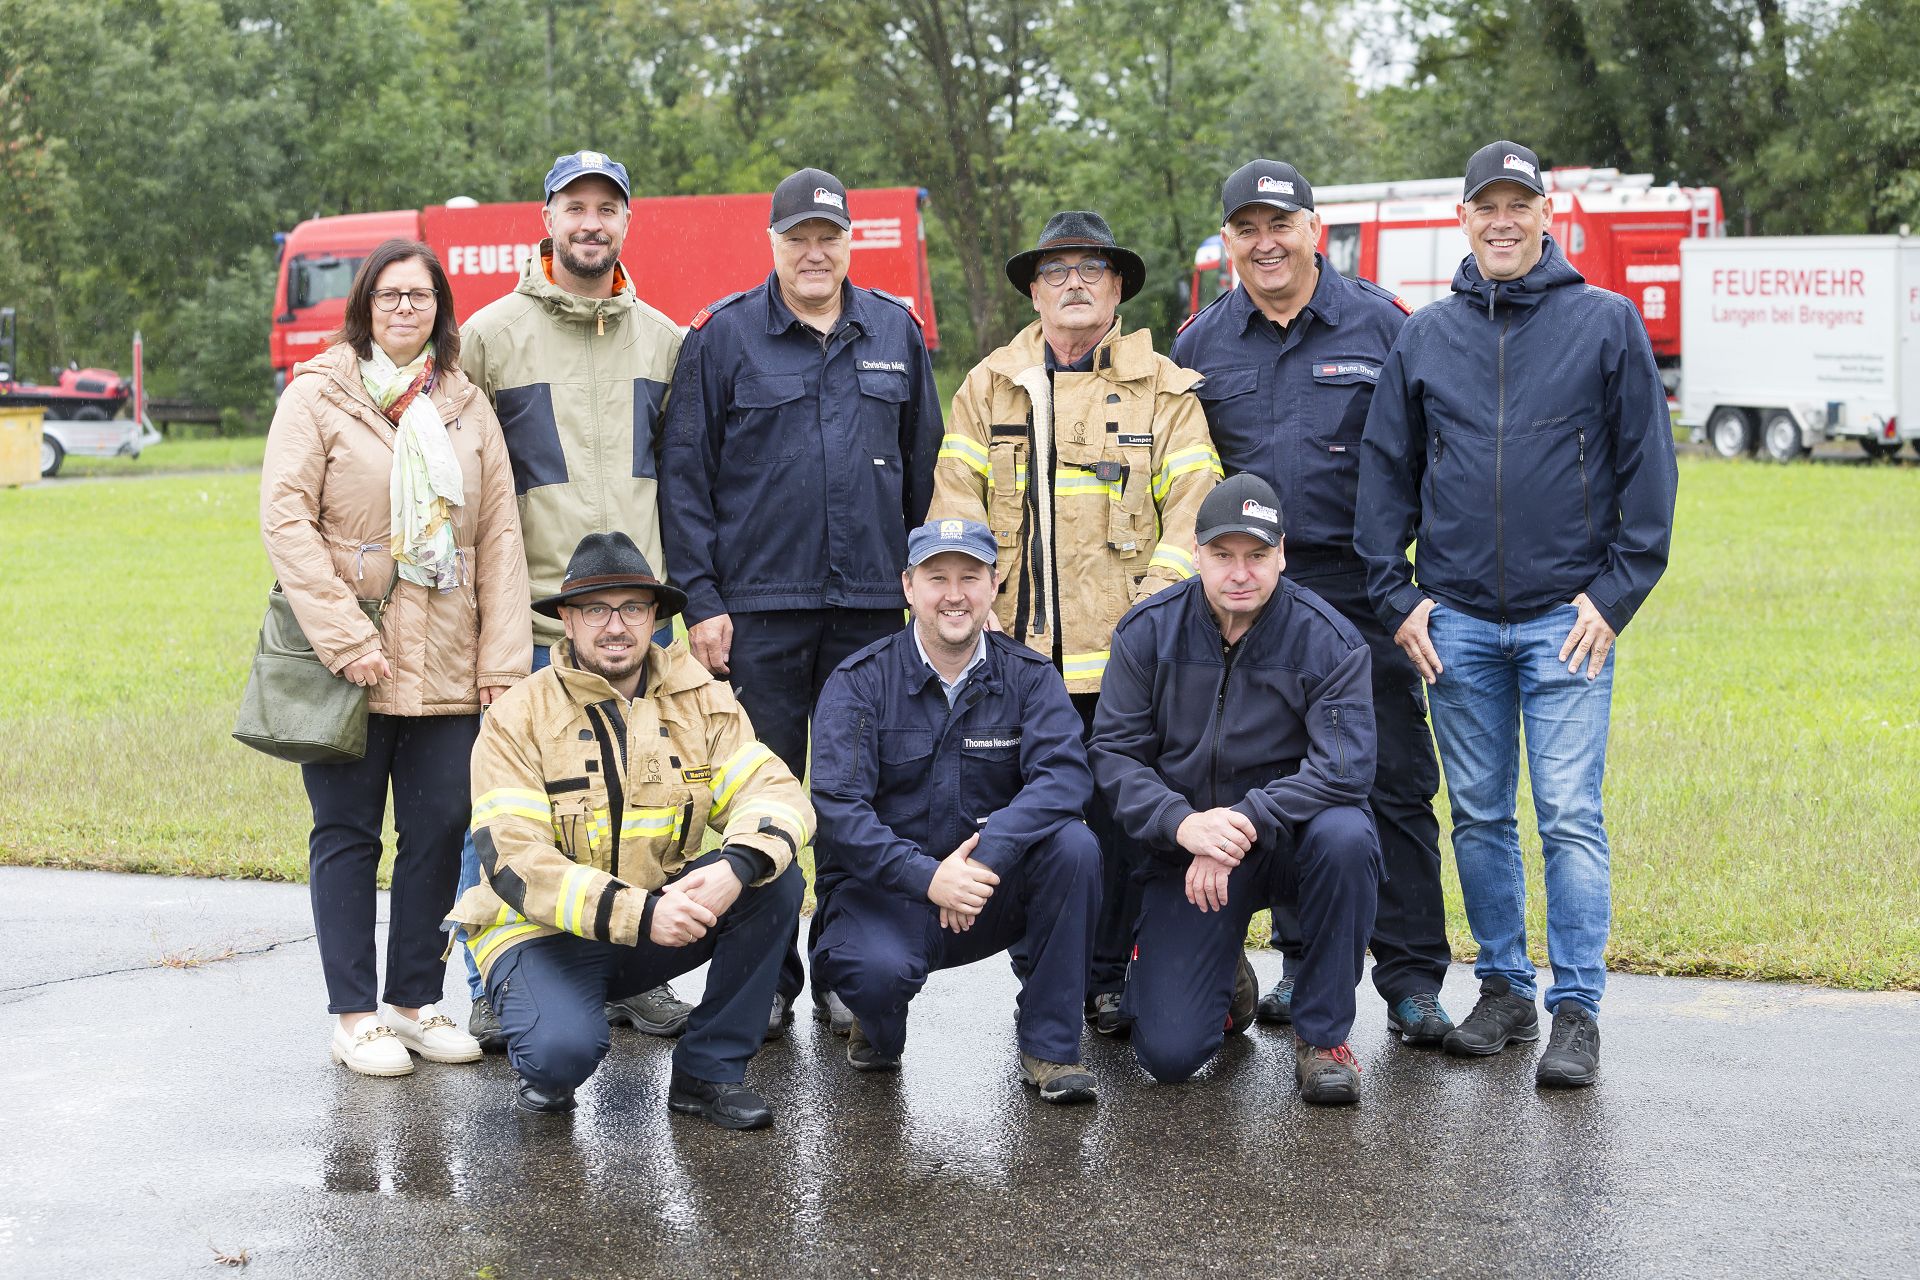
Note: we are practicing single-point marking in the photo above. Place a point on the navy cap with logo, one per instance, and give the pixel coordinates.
(582, 164)
(1240, 504)
(1503, 162)
(969, 537)
(1269, 182)
(809, 193)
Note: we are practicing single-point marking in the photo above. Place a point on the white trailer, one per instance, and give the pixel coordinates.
(1793, 340)
(94, 435)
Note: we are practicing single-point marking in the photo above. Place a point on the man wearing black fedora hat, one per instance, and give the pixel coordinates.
(595, 782)
(1087, 455)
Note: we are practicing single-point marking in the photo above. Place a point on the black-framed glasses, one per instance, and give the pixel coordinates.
(1089, 270)
(633, 613)
(389, 299)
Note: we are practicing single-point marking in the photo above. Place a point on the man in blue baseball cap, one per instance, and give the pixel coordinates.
(577, 369)
(949, 779)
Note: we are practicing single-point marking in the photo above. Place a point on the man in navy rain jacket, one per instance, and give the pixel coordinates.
(1520, 428)
(1291, 354)
(801, 434)
(950, 779)
(1234, 739)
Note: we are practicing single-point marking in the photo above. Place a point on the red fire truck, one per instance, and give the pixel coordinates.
(1618, 230)
(681, 251)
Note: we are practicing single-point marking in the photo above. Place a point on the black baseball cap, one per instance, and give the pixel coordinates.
(1270, 182)
(809, 193)
(1503, 162)
(1240, 504)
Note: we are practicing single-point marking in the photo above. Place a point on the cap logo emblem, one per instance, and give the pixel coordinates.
(593, 159)
(823, 196)
(1513, 161)
(1253, 507)
(1277, 185)
(950, 528)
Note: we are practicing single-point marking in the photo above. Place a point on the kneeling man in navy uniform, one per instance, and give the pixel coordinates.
(949, 779)
(1234, 740)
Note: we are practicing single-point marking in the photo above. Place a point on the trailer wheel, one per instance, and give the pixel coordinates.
(1915, 442)
(1876, 450)
(1780, 437)
(1730, 431)
(51, 456)
(90, 413)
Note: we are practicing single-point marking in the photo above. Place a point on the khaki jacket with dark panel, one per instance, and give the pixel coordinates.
(580, 385)
(585, 802)
(326, 515)
(1089, 481)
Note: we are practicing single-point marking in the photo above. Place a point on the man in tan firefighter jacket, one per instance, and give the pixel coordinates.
(1086, 454)
(595, 782)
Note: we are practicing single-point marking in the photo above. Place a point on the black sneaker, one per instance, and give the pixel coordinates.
(1499, 1018)
(531, 1100)
(1277, 1005)
(1572, 1059)
(834, 1012)
(658, 1012)
(1419, 1020)
(483, 1024)
(862, 1056)
(1104, 1016)
(1246, 997)
(731, 1106)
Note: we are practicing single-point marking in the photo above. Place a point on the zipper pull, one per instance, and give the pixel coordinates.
(599, 323)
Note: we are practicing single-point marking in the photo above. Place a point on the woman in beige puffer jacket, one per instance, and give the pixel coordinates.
(441, 651)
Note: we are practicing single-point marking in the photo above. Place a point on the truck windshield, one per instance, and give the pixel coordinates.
(316, 280)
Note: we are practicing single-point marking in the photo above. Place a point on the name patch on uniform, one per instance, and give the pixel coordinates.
(1346, 368)
(1125, 439)
(986, 744)
(703, 774)
(890, 366)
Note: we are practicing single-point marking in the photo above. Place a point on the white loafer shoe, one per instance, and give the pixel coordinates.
(370, 1049)
(434, 1036)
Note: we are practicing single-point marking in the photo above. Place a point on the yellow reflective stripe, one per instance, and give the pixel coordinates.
(649, 822)
(964, 449)
(1200, 457)
(515, 801)
(786, 813)
(1083, 666)
(507, 925)
(1067, 483)
(738, 768)
(1170, 557)
(571, 907)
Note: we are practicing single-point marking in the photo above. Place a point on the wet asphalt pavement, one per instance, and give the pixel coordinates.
(168, 1098)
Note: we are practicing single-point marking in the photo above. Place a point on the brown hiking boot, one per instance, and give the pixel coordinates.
(1327, 1077)
(1246, 997)
(1058, 1082)
(862, 1056)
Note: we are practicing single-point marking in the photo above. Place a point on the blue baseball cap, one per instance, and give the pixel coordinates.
(582, 163)
(969, 537)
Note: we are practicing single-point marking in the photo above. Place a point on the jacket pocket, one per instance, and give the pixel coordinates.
(764, 426)
(1226, 384)
(1343, 725)
(990, 767)
(882, 392)
(1007, 496)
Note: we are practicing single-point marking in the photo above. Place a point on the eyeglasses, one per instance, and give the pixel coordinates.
(633, 613)
(1089, 271)
(389, 299)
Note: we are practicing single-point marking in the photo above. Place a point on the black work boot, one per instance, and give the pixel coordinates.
(483, 1024)
(1277, 1005)
(657, 1012)
(1572, 1059)
(529, 1099)
(1499, 1018)
(731, 1106)
(1246, 997)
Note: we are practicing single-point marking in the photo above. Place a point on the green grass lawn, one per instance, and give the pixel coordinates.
(1763, 795)
(217, 453)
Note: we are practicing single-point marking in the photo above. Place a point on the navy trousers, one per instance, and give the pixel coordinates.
(779, 663)
(1410, 951)
(423, 760)
(1122, 865)
(1181, 980)
(551, 993)
(875, 948)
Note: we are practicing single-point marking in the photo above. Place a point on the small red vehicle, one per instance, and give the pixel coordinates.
(75, 394)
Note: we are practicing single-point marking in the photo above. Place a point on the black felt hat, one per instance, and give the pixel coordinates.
(1077, 229)
(603, 562)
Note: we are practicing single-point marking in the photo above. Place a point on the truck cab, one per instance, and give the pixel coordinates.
(318, 260)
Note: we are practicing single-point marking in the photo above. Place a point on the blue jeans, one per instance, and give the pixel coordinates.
(470, 862)
(1495, 678)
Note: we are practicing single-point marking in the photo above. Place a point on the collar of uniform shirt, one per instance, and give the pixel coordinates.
(780, 316)
(951, 690)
